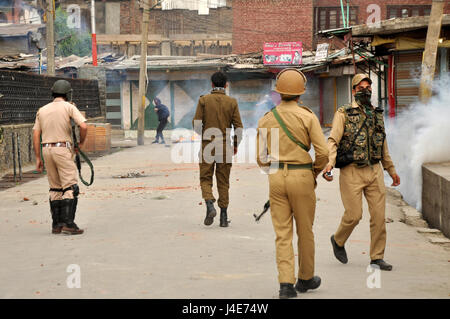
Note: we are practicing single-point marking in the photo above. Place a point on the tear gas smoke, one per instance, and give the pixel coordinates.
(419, 135)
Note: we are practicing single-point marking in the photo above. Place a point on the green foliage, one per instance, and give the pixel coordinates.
(70, 41)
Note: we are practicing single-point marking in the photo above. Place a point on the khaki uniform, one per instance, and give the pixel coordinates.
(217, 113)
(292, 195)
(53, 120)
(353, 182)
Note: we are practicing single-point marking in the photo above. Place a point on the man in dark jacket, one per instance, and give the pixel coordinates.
(163, 114)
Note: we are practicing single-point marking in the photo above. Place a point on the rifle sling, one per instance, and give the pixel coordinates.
(283, 126)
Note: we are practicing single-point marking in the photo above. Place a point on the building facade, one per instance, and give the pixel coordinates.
(172, 31)
(259, 21)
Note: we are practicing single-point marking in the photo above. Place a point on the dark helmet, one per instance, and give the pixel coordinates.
(61, 87)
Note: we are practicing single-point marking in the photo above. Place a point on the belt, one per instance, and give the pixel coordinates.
(368, 163)
(295, 166)
(58, 144)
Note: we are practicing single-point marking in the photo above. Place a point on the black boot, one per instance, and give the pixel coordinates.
(156, 140)
(287, 291)
(69, 207)
(339, 252)
(55, 209)
(210, 212)
(381, 264)
(224, 222)
(305, 285)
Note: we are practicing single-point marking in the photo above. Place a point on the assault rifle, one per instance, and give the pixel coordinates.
(266, 208)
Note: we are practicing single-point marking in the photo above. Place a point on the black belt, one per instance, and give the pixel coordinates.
(368, 163)
(295, 166)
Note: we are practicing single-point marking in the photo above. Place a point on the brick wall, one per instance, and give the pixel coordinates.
(363, 4)
(175, 21)
(259, 21)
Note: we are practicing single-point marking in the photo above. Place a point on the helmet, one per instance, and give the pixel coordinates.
(358, 78)
(291, 82)
(61, 87)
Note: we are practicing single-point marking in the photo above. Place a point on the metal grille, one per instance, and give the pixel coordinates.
(22, 94)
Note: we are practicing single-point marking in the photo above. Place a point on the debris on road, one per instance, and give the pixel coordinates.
(161, 197)
(131, 175)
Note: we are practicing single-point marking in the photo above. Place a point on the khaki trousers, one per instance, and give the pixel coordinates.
(292, 198)
(61, 170)
(353, 182)
(222, 178)
(215, 157)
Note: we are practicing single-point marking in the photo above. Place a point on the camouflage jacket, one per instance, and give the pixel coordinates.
(368, 144)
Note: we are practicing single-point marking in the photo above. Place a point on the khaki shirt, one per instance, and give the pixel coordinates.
(335, 137)
(53, 120)
(303, 125)
(217, 110)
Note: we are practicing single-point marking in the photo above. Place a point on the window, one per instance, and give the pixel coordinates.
(331, 17)
(407, 11)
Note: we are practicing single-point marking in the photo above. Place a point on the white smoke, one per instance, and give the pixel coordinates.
(420, 134)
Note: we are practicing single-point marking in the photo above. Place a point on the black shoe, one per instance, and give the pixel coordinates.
(381, 264)
(224, 222)
(155, 142)
(339, 252)
(305, 285)
(287, 291)
(210, 212)
(68, 209)
(162, 142)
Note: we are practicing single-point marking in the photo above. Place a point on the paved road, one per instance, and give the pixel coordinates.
(145, 239)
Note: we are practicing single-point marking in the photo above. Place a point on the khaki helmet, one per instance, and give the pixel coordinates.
(358, 78)
(291, 82)
(61, 87)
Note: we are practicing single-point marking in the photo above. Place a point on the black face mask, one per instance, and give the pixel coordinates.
(363, 97)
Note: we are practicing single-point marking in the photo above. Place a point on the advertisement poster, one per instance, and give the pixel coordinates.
(282, 53)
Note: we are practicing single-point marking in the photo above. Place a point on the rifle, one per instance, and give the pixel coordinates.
(266, 208)
(78, 159)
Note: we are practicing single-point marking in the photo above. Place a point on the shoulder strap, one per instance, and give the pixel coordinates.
(283, 126)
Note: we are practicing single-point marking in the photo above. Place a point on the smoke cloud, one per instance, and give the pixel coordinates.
(419, 135)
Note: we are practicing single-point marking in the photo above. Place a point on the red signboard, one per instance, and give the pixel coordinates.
(283, 53)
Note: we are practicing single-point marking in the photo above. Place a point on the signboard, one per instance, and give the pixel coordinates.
(283, 53)
(322, 52)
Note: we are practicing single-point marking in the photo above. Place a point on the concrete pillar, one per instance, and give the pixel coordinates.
(112, 19)
(430, 53)
(165, 48)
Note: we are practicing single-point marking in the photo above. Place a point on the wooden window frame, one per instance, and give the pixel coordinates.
(399, 9)
(318, 10)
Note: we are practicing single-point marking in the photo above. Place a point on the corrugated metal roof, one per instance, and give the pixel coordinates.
(14, 30)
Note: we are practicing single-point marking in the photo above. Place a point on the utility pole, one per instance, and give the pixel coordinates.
(143, 71)
(50, 38)
(94, 36)
(431, 47)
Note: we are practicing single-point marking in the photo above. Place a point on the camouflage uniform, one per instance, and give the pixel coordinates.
(364, 175)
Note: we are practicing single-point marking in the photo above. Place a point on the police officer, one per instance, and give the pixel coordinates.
(216, 113)
(53, 123)
(163, 114)
(358, 143)
(292, 179)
